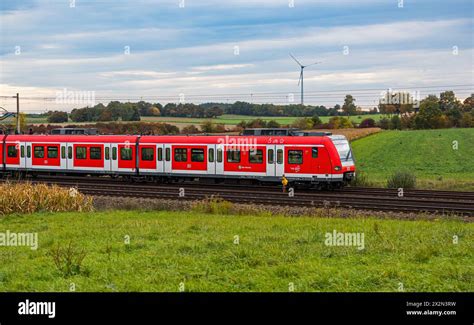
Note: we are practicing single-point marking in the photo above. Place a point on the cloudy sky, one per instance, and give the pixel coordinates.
(210, 50)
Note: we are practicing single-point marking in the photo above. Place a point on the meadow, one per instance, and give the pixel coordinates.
(229, 119)
(194, 251)
(441, 159)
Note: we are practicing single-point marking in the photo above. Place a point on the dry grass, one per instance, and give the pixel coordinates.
(29, 198)
(213, 205)
(353, 134)
(68, 259)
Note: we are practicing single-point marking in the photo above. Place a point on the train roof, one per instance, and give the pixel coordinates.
(201, 139)
(236, 139)
(71, 138)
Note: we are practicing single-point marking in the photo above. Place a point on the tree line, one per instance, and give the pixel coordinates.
(400, 111)
(116, 111)
(433, 112)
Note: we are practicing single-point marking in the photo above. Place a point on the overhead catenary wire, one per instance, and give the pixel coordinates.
(361, 92)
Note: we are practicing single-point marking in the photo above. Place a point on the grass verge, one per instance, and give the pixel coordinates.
(158, 251)
(440, 159)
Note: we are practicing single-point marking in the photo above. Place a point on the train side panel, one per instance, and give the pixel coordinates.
(245, 160)
(189, 158)
(309, 159)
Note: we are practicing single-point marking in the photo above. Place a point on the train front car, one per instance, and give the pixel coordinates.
(347, 166)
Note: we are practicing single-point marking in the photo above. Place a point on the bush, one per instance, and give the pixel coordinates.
(68, 260)
(214, 205)
(316, 120)
(367, 123)
(29, 198)
(384, 123)
(208, 126)
(273, 124)
(407, 122)
(57, 117)
(467, 120)
(338, 122)
(395, 123)
(361, 180)
(401, 179)
(220, 128)
(303, 123)
(190, 129)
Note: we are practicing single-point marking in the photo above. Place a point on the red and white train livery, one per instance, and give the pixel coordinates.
(319, 160)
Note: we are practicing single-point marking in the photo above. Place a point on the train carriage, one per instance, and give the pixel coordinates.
(305, 159)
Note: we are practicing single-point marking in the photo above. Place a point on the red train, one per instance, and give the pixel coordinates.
(317, 160)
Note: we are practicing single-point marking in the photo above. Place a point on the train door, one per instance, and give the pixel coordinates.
(271, 163)
(70, 158)
(167, 158)
(114, 157)
(22, 152)
(107, 157)
(211, 159)
(63, 156)
(160, 164)
(28, 155)
(12, 154)
(280, 160)
(219, 165)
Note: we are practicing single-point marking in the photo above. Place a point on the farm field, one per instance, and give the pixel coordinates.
(431, 154)
(226, 119)
(207, 252)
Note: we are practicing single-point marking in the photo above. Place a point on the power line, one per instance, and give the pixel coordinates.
(316, 94)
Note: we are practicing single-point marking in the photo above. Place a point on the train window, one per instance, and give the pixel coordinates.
(63, 152)
(107, 153)
(69, 152)
(168, 154)
(314, 152)
(52, 152)
(148, 154)
(233, 156)
(28, 151)
(81, 152)
(22, 151)
(280, 156)
(114, 153)
(38, 152)
(256, 156)
(271, 153)
(180, 154)
(12, 151)
(160, 154)
(295, 156)
(211, 154)
(197, 155)
(126, 153)
(95, 153)
(219, 155)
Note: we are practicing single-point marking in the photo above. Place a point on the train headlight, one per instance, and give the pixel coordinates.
(337, 168)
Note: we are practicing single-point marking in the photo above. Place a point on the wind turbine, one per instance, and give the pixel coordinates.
(300, 81)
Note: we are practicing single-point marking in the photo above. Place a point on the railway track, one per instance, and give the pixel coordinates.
(438, 202)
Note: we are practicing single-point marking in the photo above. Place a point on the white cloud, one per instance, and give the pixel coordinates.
(222, 67)
(262, 66)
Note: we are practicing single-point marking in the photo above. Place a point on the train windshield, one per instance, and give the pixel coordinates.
(343, 148)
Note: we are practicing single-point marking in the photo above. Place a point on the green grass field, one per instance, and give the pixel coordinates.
(228, 119)
(200, 251)
(430, 154)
